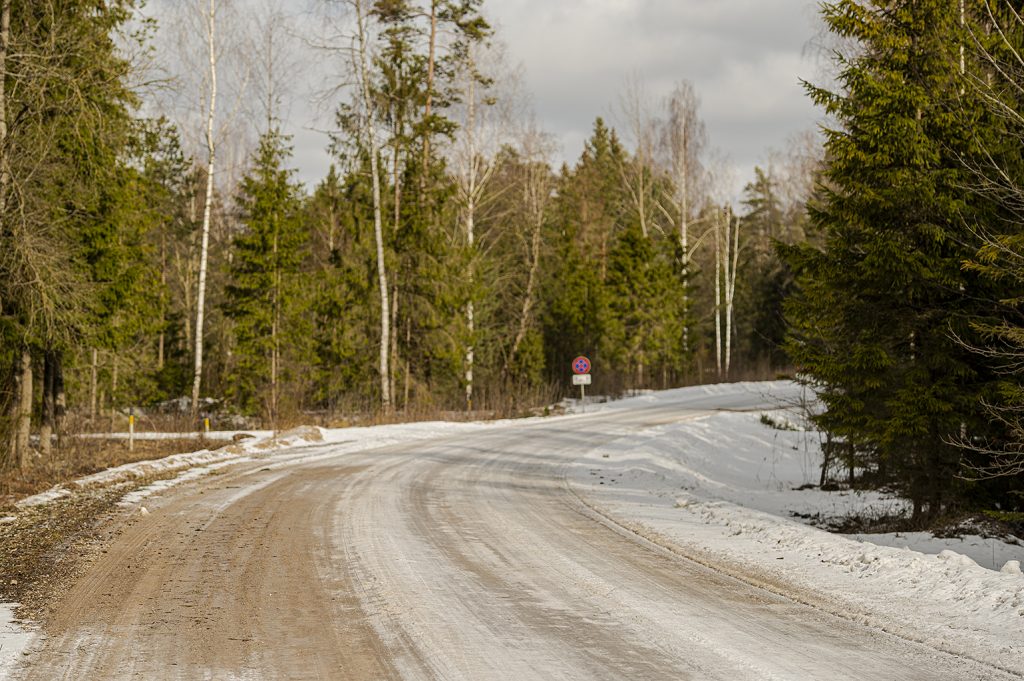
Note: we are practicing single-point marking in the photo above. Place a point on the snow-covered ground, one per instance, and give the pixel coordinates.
(14, 638)
(723, 486)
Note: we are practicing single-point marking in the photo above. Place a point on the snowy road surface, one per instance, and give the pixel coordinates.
(464, 557)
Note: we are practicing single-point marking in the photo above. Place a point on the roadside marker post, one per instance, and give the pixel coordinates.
(131, 429)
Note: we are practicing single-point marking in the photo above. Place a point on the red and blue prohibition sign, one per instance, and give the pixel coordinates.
(581, 365)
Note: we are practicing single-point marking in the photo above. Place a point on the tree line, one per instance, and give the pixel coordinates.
(441, 264)
(446, 263)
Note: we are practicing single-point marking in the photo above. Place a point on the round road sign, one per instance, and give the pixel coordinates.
(581, 365)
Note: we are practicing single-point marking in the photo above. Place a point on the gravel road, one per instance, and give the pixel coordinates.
(466, 557)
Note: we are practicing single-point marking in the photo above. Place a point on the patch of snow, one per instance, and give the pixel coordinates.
(134, 470)
(15, 638)
(219, 435)
(988, 552)
(287, 447)
(135, 496)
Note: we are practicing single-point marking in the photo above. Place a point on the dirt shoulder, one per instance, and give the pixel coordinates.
(44, 547)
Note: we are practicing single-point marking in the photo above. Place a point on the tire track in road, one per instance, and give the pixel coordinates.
(221, 582)
(463, 557)
(491, 524)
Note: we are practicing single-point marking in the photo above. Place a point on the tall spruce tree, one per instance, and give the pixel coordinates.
(873, 321)
(261, 293)
(65, 124)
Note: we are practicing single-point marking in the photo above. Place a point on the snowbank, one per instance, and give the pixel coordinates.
(721, 487)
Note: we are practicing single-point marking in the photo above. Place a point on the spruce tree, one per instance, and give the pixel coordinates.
(767, 281)
(261, 293)
(873, 322)
(64, 256)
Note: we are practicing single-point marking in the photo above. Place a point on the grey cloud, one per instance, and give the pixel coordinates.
(744, 57)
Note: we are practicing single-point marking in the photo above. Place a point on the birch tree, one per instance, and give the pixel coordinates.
(275, 62)
(211, 151)
(683, 140)
(356, 43)
(727, 247)
(731, 252)
(536, 186)
(482, 118)
(636, 171)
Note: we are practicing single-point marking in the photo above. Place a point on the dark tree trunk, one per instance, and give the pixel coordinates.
(826, 452)
(48, 403)
(60, 401)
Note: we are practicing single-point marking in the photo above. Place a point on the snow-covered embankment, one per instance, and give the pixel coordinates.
(721, 487)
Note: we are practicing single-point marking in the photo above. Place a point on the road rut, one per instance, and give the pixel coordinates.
(458, 558)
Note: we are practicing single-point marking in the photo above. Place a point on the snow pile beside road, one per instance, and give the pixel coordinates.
(138, 469)
(721, 488)
(290, 443)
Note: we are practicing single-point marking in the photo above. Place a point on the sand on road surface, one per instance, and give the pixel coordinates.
(466, 557)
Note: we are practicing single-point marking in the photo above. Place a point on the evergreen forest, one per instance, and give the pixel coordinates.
(164, 261)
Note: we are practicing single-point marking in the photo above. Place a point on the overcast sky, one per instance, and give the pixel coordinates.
(745, 59)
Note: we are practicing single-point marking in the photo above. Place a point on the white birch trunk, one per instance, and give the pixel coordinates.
(475, 165)
(531, 279)
(718, 296)
(730, 287)
(470, 225)
(683, 140)
(211, 34)
(431, 57)
(378, 227)
(684, 242)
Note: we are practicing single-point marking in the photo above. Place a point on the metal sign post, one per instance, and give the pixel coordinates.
(581, 375)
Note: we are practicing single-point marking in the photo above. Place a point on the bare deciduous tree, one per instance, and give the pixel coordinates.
(636, 172)
(683, 139)
(483, 115)
(536, 187)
